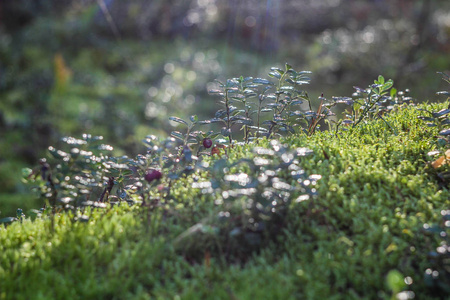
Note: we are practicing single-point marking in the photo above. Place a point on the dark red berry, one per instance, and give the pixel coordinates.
(152, 174)
(207, 143)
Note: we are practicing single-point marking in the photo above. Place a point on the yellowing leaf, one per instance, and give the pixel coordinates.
(62, 74)
(441, 160)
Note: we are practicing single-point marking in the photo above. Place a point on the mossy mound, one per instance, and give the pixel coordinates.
(376, 193)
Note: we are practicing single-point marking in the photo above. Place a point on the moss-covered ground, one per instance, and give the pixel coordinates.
(376, 192)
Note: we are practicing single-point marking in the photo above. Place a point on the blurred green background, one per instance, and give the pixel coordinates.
(120, 68)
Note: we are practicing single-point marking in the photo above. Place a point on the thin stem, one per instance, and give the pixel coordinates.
(107, 190)
(316, 120)
(227, 107)
(365, 111)
(259, 114)
(246, 130)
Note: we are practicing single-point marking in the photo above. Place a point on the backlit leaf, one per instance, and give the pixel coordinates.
(178, 120)
(8, 220)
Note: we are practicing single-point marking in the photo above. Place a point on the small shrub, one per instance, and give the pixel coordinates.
(253, 199)
(440, 120)
(437, 276)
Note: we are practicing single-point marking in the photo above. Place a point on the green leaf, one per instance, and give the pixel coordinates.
(274, 74)
(220, 113)
(225, 131)
(250, 94)
(212, 135)
(444, 132)
(26, 172)
(380, 80)
(178, 135)
(441, 113)
(280, 71)
(393, 92)
(287, 88)
(8, 220)
(58, 154)
(262, 81)
(395, 281)
(213, 120)
(387, 85)
(215, 92)
(289, 80)
(244, 122)
(116, 172)
(178, 120)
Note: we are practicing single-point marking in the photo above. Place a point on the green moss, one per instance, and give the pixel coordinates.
(375, 194)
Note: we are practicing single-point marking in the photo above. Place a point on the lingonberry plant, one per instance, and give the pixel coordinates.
(82, 174)
(231, 92)
(440, 120)
(254, 199)
(446, 78)
(256, 191)
(282, 99)
(248, 196)
(288, 97)
(193, 139)
(86, 174)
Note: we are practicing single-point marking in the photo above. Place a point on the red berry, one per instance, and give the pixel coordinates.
(207, 142)
(152, 174)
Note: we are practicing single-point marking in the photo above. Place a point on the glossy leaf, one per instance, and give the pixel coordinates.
(441, 113)
(8, 220)
(178, 120)
(444, 132)
(210, 121)
(225, 131)
(178, 135)
(274, 75)
(287, 88)
(262, 81)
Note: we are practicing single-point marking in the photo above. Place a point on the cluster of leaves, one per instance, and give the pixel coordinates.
(379, 98)
(441, 120)
(81, 174)
(446, 78)
(85, 173)
(243, 98)
(254, 195)
(260, 107)
(437, 276)
(19, 216)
